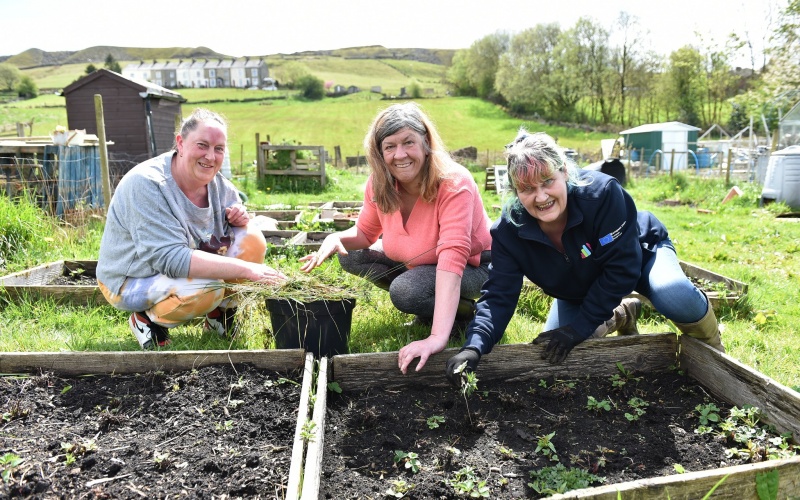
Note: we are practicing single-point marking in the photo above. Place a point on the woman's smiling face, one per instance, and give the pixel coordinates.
(204, 150)
(404, 154)
(544, 198)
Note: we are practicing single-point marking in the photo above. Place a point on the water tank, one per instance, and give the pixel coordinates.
(703, 158)
(226, 165)
(782, 181)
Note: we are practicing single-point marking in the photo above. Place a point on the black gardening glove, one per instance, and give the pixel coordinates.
(560, 342)
(468, 355)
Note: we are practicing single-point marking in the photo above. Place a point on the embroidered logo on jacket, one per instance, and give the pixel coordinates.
(586, 250)
(613, 235)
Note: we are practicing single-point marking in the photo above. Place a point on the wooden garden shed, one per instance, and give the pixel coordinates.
(645, 141)
(140, 117)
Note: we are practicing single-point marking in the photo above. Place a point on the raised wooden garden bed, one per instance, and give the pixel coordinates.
(714, 375)
(719, 289)
(69, 281)
(279, 215)
(311, 240)
(130, 422)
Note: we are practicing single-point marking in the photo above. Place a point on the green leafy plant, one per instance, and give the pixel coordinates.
(409, 460)
(637, 406)
(560, 479)
(592, 404)
(399, 488)
(623, 377)
(707, 413)
(308, 431)
(434, 421)
(507, 453)
(8, 463)
(545, 446)
(467, 484)
(224, 426)
(334, 387)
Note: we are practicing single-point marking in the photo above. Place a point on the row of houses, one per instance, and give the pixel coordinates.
(243, 72)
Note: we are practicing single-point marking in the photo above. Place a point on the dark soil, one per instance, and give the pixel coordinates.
(497, 432)
(216, 432)
(77, 279)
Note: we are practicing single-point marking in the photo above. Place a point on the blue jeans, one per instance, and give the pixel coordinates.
(663, 282)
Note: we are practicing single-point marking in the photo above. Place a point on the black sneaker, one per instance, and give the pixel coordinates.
(146, 332)
(222, 322)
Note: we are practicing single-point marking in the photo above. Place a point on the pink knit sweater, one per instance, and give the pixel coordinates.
(451, 232)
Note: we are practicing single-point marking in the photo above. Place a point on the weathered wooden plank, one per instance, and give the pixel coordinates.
(82, 363)
(313, 470)
(738, 384)
(740, 484)
(647, 353)
(299, 445)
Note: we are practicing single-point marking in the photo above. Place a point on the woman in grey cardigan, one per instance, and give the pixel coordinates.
(175, 233)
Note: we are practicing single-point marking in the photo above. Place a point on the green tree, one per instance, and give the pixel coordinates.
(9, 76)
(482, 59)
(414, 90)
(588, 59)
(27, 88)
(311, 87)
(685, 83)
(112, 65)
(457, 75)
(525, 70)
(91, 68)
(291, 73)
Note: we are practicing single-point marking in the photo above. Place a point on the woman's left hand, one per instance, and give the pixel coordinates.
(421, 349)
(237, 215)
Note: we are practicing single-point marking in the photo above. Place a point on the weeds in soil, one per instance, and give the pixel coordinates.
(434, 421)
(508, 453)
(623, 377)
(708, 414)
(592, 404)
(752, 441)
(224, 426)
(309, 431)
(467, 484)
(409, 460)
(399, 488)
(637, 406)
(545, 447)
(162, 460)
(560, 479)
(8, 464)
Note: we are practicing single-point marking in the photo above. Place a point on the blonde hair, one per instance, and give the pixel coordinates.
(437, 161)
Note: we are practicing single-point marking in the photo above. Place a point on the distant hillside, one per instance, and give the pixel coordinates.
(33, 58)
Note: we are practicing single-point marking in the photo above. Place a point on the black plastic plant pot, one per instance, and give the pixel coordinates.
(321, 327)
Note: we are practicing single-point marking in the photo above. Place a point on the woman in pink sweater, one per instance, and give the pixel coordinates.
(423, 233)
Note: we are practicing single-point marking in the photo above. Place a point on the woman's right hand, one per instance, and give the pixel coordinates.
(330, 245)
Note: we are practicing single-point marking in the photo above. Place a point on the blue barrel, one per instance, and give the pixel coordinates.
(634, 155)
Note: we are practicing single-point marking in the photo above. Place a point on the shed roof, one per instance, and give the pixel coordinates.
(659, 127)
(150, 89)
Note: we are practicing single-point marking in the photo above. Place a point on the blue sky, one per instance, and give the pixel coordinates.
(240, 28)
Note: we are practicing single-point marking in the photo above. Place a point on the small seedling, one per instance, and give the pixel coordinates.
(622, 378)
(637, 405)
(224, 426)
(678, 468)
(410, 460)
(161, 460)
(9, 462)
(707, 413)
(593, 404)
(308, 432)
(508, 453)
(334, 387)
(434, 421)
(467, 484)
(399, 488)
(545, 446)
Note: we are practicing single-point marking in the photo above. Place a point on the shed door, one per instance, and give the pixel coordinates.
(679, 141)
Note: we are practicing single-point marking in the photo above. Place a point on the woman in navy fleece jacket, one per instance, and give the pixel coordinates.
(577, 235)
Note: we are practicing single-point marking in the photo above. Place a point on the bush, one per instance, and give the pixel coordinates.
(311, 87)
(23, 230)
(27, 88)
